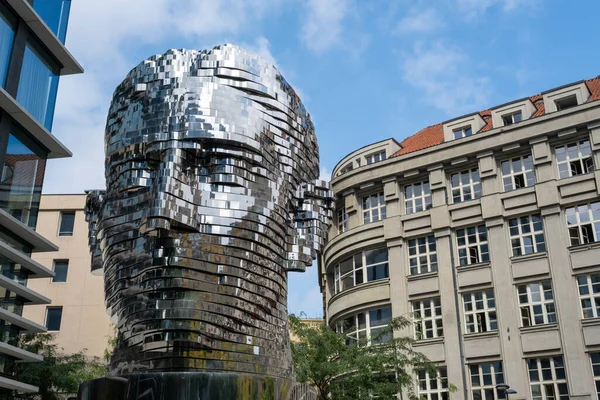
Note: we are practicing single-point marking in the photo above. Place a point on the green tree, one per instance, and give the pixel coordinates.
(338, 370)
(59, 373)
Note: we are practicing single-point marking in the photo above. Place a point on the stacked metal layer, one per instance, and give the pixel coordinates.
(212, 197)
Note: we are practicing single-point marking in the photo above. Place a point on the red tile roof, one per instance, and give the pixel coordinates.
(434, 135)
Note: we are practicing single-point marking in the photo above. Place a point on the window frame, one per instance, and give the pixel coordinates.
(509, 118)
(380, 207)
(559, 101)
(362, 269)
(512, 174)
(595, 361)
(59, 318)
(530, 305)
(440, 381)
(489, 312)
(538, 245)
(542, 382)
(431, 262)
(376, 157)
(482, 372)
(424, 197)
(354, 332)
(592, 297)
(587, 227)
(420, 318)
(479, 245)
(62, 262)
(60, 223)
(463, 132)
(474, 186)
(585, 162)
(343, 219)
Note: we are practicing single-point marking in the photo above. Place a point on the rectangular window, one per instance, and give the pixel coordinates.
(462, 132)
(422, 256)
(595, 357)
(60, 270)
(366, 325)
(433, 387)
(574, 159)
(53, 318)
(7, 34)
(517, 173)
(472, 244)
(38, 84)
(67, 221)
(527, 234)
(417, 197)
(513, 118)
(342, 220)
(583, 222)
(427, 316)
(367, 266)
(480, 311)
(55, 14)
(484, 378)
(373, 208)
(547, 378)
(373, 158)
(465, 185)
(566, 102)
(589, 294)
(536, 302)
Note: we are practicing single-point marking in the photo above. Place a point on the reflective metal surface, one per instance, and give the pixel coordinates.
(212, 197)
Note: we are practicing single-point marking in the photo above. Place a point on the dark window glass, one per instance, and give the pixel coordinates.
(7, 35)
(566, 102)
(55, 14)
(53, 318)
(38, 84)
(67, 220)
(22, 180)
(60, 271)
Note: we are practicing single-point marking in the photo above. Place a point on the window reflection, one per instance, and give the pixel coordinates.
(21, 182)
(55, 14)
(7, 34)
(38, 84)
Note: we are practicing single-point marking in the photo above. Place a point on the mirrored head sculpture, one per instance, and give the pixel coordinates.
(212, 197)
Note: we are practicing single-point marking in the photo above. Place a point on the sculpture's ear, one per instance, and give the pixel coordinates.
(311, 218)
(94, 204)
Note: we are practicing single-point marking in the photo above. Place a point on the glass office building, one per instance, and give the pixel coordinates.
(32, 58)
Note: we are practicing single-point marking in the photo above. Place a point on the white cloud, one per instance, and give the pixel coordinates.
(106, 38)
(323, 24)
(325, 174)
(419, 19)
(475, 8)
(446, 79)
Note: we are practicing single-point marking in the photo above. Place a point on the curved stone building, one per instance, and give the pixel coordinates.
(485, 229)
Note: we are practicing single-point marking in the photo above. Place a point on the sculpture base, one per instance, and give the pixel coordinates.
(194, 385)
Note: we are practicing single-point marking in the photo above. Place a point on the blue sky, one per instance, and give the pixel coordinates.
(366, 70)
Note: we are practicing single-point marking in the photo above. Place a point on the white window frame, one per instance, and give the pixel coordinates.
(542, 384)
(461, 132)
(512, 117)
(484, 369)
(417, 203)
(436, 327)
(475, 246)
(583, 160)
(360, 270)
(526, 234)
(595, 360)
(433, 388)
(588, 287)
(480, 311)
(533, 302)
(422, 255)
(373, 213)
(355, 332)
(583, 223)
(473, 186)
(343, 219)
(375, 157)
(517, 178)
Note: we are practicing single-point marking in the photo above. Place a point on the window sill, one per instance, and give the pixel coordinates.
(424, 275)
(590, 321)
(466, 203)
(570, 179)
(362, 286)
(531, 256)
(584, 247)
(481, 335)
(425, 342)
(539, 328)
(414, 215)
(469, 267)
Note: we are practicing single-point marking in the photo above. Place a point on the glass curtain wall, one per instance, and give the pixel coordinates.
(55, 14)
(7, 34)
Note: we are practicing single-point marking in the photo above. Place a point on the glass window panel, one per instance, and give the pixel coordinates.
(55, 14)
(60, 271)
(53, 318)
(7, 34)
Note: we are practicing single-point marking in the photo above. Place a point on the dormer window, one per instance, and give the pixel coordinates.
(373, 158)
(462, 132)
(566, 102)
(513, 118)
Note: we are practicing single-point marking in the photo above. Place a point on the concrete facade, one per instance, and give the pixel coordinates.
(490, 304)
(84, 323)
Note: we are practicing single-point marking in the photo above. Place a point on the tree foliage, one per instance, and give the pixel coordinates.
(58, 373)
(338, 370)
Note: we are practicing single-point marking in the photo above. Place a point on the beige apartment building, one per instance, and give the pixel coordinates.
(485, 230)
(77, 315)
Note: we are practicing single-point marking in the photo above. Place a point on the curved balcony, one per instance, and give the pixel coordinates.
(358, 296)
